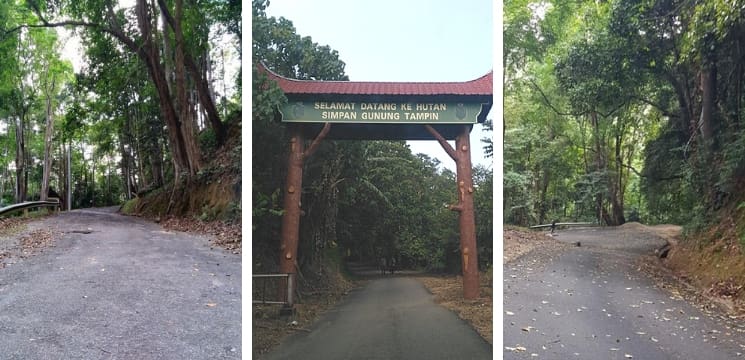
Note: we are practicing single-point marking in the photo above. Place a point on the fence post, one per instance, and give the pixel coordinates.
(290, 289)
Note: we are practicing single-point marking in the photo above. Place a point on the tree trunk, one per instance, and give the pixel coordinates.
(201, 84)
(188, 122)
(151, 56)
(684, 102)
(543, 207)
(47, 144)
(20, 193)
(156, 158)
(708, 101)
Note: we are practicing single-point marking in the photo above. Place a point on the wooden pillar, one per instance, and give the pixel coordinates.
(292, 197)
(290, 235)
(469, 253)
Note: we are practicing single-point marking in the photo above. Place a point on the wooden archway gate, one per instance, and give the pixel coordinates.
(346, 110)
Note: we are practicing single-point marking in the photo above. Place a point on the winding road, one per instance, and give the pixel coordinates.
(119, 287)
(592, 302)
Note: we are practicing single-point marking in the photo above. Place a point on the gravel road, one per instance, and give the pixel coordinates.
(591, 302)
(127, 290)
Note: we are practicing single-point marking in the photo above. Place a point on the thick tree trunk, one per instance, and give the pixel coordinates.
(201, 84)
(188, 122)
(151, 56)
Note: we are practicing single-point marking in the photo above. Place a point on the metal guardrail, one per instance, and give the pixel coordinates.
(275, 289)
(28, 205)
(564, 224)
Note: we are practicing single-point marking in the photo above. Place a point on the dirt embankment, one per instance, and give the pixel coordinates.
(520, 241)
(208, 203)
(713, 262)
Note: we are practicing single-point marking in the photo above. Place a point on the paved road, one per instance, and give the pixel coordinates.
(591, 302)
(127, 290)
(390, 318)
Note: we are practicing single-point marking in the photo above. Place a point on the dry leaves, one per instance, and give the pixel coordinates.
(35, 242)
(227, 236)
(518, 242)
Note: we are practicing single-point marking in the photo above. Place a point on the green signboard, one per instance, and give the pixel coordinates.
(386, 112)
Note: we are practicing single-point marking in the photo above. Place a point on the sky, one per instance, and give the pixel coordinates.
(411, 40)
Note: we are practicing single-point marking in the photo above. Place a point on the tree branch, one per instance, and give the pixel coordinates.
(116, 33)
(444, 143)
(656, 106)
(548, 102)
(675, 177)
(612, 111)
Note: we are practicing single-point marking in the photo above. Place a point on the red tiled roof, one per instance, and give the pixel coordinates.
(479, 87)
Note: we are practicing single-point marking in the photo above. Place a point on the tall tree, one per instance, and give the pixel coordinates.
(141, 40)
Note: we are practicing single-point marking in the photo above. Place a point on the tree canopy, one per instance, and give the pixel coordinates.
(622, 110)
(151, 99)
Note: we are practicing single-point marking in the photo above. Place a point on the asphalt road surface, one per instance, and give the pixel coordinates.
(592, 302)
(127, 290)
(390, 318)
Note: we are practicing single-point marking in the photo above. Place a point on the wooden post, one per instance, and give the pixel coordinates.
(290, 234)
(292, 197)
(469, 253)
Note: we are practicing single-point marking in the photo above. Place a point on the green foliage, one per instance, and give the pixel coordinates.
(604, 107)
(129, 206)
(208, 213)
(208, 141)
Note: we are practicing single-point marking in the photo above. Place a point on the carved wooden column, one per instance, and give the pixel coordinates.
(469, 253)
(292, 197)
(290, 235)
(467, 219)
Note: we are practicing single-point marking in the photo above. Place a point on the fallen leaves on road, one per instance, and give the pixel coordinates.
(35, 241)
(227, 236)
(12, 226)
